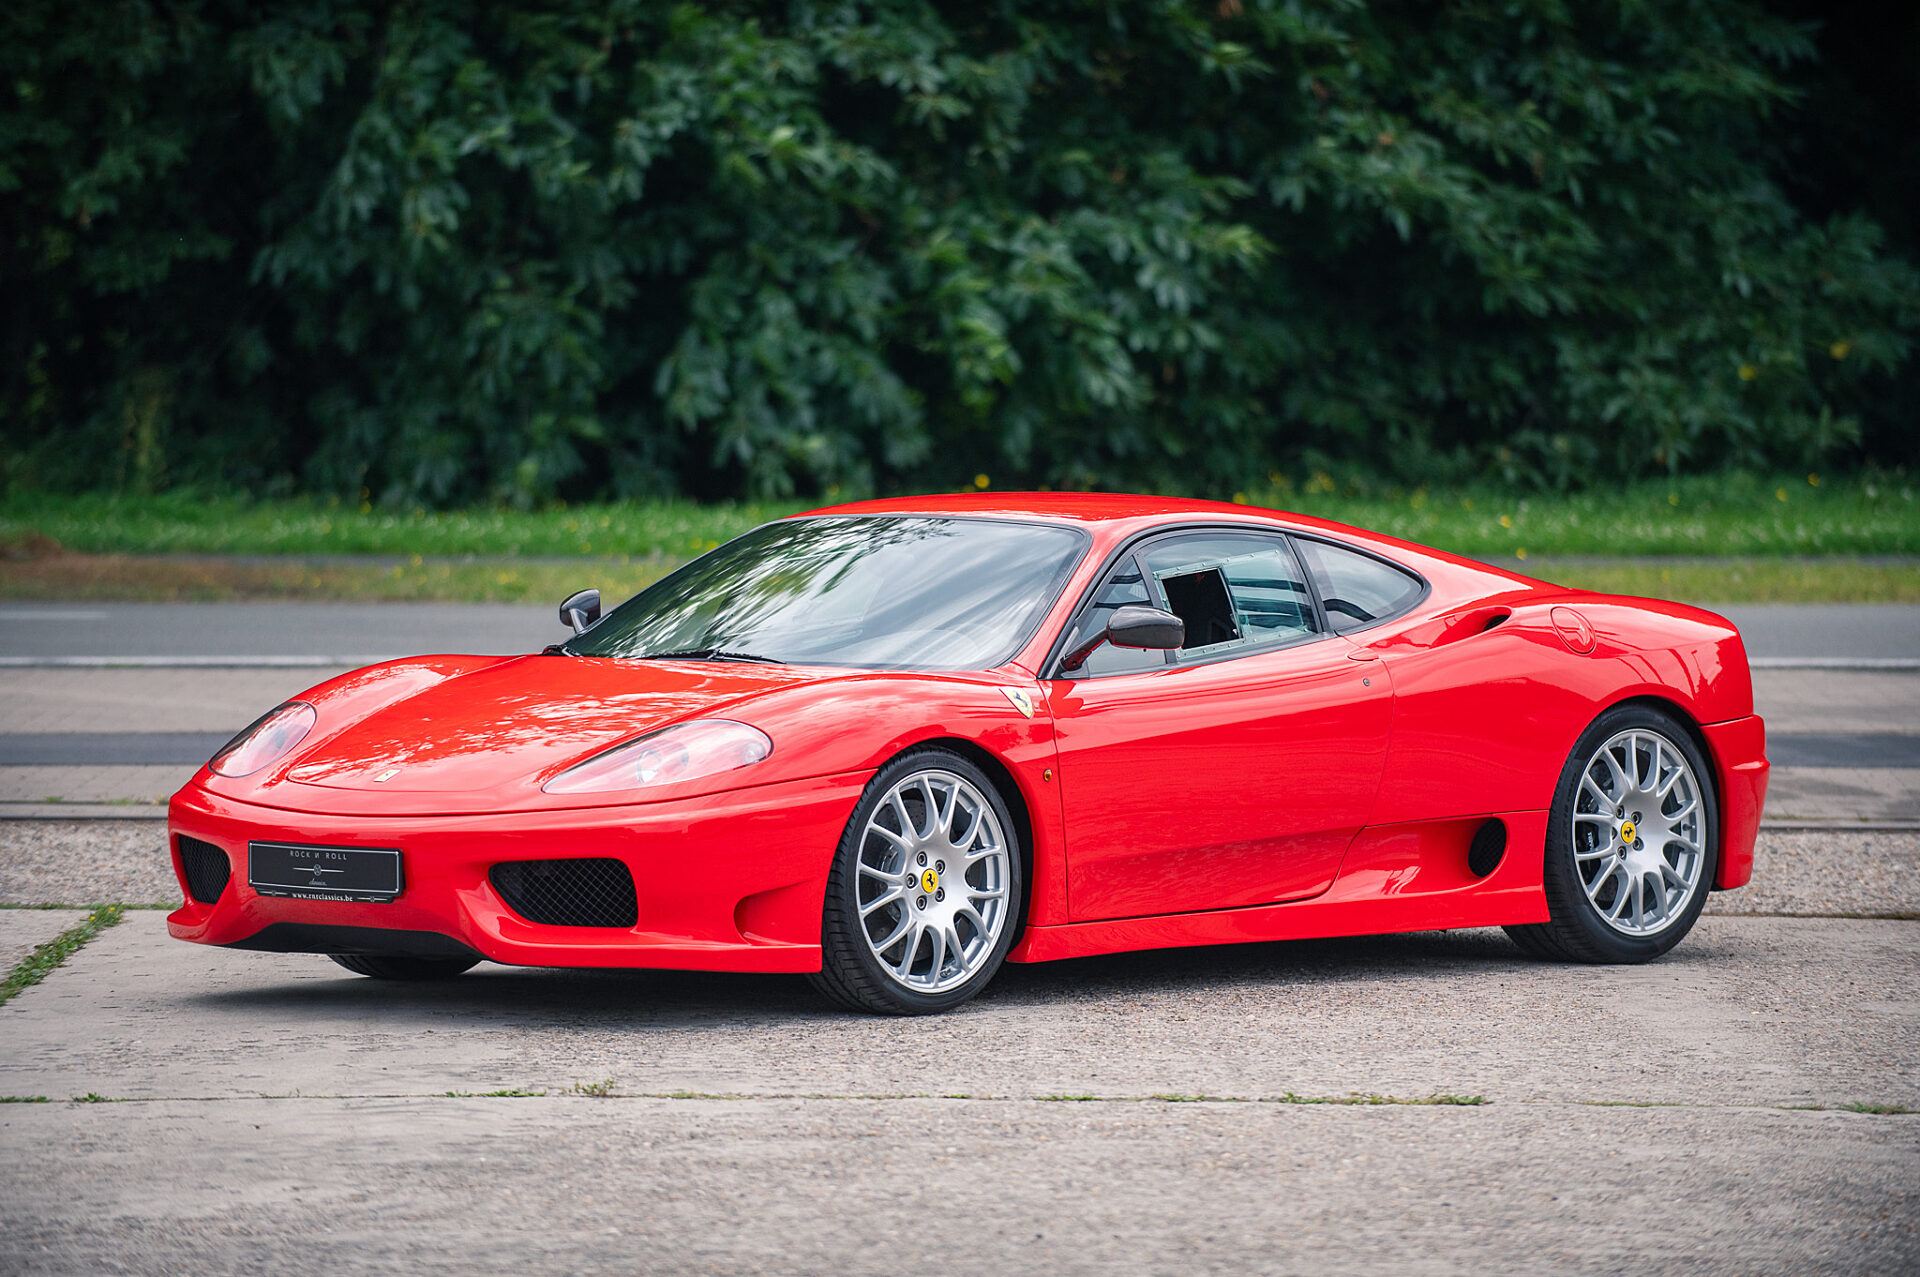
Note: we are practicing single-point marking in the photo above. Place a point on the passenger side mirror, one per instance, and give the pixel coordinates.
(1131, 626)
(580, 610)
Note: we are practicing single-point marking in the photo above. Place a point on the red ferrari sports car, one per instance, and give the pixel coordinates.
(897, 743)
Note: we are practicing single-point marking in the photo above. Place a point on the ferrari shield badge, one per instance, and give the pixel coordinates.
(1022, 701)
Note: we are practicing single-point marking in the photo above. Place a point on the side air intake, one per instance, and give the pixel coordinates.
(1489, 848)
(568, 893)
(205, 867)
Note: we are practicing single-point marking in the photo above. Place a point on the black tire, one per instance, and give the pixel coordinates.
(402, 967)
(851, 975)
(1576, 931)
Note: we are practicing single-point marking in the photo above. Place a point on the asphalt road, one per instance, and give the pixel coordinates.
(318, 633)
(356, 633)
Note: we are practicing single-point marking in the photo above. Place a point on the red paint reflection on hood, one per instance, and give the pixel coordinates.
(513, 724)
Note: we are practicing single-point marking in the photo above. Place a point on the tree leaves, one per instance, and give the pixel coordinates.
(566, 248)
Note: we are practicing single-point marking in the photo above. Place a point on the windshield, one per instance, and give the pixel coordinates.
(875, 591)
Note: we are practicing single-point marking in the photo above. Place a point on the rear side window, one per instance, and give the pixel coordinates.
(1357, 589)
(1233, 590)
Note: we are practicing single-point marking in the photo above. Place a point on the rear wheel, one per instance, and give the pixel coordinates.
(924, 892)
(1631, 842)
(400, 967)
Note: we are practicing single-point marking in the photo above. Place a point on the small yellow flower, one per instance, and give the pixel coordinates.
(1748, 372)
(981, 481)
(1779, 494)
(1673, 498)
(1839, 349)
(1813, 480)
(1506, 520)
(1521, 552)
(1239, 498)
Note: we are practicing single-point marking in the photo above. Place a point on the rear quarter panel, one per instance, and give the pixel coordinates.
(1484, 720)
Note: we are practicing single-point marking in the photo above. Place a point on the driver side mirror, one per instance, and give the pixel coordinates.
(1131, 626)
(580, 610)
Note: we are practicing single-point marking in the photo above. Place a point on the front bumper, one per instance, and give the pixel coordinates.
(1739, 750)
(726, 882)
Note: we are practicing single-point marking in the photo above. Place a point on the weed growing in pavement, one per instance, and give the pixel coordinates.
(599, 1090)
(36, 966)
(509, 1094)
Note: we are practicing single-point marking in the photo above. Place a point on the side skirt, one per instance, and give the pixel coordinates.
(1410, 877)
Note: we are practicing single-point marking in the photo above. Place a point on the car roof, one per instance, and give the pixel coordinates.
(1117, 516)
(1075, 507)
(1106, 513)
(1061, 507)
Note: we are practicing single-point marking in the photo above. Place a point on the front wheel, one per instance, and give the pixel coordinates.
(1631, 842)
(401, 967)
(924, 894)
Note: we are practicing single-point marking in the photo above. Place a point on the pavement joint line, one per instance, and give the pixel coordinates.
(1834, 662)
(1288, 1099)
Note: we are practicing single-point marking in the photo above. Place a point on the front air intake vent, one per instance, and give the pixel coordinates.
(205, 867)
(568, 893)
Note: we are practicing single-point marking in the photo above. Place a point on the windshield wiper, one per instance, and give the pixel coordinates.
(711, 654)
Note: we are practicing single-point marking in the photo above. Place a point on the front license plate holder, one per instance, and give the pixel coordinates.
(360, 875)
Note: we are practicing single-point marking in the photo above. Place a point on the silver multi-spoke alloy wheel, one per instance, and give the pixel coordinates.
(1639, 833)
(934, 868)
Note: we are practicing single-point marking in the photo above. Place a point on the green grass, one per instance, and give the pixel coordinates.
(152, 579)
(1715, 515)
(1736, 580)
(188, 524)
(45, 959)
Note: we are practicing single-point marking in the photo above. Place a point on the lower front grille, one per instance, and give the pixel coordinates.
(568, 893)
(207, 869)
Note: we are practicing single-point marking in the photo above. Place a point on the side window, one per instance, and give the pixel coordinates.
(1122, 586)
(1232, 590)
(1357, 589)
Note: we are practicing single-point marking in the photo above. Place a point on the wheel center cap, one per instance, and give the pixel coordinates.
(930, 882)
(1628, 832)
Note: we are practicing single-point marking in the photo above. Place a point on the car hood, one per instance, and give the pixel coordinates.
(486, 736)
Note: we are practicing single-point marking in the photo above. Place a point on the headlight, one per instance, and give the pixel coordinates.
(689, 751)
(272, 735)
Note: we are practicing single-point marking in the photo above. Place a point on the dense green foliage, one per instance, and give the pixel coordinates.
(441, 252)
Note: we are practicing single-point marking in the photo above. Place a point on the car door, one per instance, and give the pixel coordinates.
(1232, 772)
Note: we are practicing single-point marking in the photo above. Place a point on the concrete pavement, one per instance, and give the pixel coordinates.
(582, 1185)
(1137, 1113)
